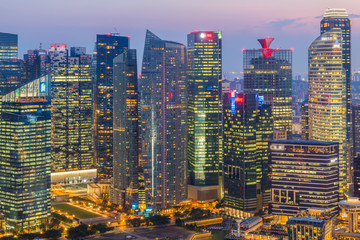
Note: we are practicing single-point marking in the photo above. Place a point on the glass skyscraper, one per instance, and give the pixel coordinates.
(247, 130)
(338, 18)
(268, 72)
(204, 143)
(71, 102)
(163, 121)
(36, 63)
(9, 64)
(327, 96)
(356, 130)
(107, 47)
(25, 161)
(125, 188)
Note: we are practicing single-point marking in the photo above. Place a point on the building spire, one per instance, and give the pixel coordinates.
(266, 50)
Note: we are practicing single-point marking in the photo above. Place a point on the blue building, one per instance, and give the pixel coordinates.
(9, 64)
(163, 121)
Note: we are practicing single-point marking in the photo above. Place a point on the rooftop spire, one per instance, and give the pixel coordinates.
(266, 50)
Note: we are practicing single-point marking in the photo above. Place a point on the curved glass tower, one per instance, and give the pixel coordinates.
(327, 95)
(338, 18)
(163, 121)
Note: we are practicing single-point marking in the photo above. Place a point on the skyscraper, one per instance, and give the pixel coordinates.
(356, 177)
(71, 93)
(327, 96)
(36, 63)
(163, 121)
(204, 143)
(25, 161)
(268, 72)
(356, 129)
(107, 48)
(9, 64)
(304, 174)
(125, 186)
(305, 120)
(247, 130)
(338, 18)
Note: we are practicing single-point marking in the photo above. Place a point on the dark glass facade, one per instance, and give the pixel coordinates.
(9, 64)
(305, 120)
(304, 174)
(204, 143)
(268, 72)
(71, 102)
(356, 129)
(247, 130)
(25, 161)
(356, 164)
(163, 121)
(126, 131)
(36, 64)
(107, 48)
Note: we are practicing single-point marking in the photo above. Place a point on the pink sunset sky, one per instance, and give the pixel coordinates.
(293, 24)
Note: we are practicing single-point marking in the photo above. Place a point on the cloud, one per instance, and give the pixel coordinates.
(283, 22)
(354, 15)
(350, 16)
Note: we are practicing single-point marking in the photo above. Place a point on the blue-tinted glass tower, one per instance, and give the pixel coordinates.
(107, 48)
(163, 121)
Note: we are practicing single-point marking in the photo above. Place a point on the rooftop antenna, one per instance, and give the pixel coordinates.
(116, 31)
(40, 46)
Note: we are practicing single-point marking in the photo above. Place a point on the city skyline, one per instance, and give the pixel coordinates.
(295, 26)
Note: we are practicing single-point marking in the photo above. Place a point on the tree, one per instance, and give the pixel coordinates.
(178, 222)
(79, 231)
(53, 233)
(101, 227)
(135, 222)
(159, 220)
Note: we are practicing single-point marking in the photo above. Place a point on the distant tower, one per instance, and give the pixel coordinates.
(204, 143)
(268, 72)
(107, 47)
(163, 121)
(9, 64)
(327, 96)
(305, 120)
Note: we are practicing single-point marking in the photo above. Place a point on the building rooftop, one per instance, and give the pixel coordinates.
(336, 12)
(303, 142)
(306, 220)
(350, 202)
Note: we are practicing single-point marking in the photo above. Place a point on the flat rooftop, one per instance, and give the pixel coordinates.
(303, 142)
